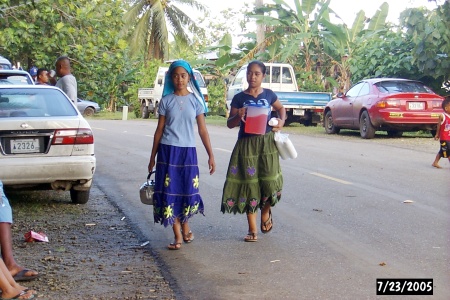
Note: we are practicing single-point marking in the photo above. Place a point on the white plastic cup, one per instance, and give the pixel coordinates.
(273, 122)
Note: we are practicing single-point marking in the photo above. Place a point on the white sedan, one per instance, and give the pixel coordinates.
(44, 141)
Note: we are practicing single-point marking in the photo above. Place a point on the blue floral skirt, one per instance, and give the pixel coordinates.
(254, 175)
(176, 185)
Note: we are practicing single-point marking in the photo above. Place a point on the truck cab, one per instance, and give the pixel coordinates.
(303, 107)
(279, 78)
(150, 97)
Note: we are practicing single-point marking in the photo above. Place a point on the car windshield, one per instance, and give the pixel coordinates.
(14, 79)
(34, 103)
(199, 79)
(5, 66)
(402, 87)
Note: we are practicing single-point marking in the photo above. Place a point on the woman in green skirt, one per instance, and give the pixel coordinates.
(254, 180)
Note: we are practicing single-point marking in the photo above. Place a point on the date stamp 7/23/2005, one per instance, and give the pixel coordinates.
(404, 286)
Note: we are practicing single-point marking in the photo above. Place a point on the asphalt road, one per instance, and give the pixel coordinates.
(341, 224)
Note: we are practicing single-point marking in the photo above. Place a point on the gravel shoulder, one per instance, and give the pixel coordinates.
(92, 253)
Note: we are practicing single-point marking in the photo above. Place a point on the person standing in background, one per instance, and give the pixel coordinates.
(66, 82)
(33, 73)
(42, 77)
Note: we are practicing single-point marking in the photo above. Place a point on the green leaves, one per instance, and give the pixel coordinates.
(84, 30)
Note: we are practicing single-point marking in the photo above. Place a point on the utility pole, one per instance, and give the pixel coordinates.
(260, 30)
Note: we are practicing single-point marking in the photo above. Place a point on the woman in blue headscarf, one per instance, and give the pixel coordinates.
(176, 196)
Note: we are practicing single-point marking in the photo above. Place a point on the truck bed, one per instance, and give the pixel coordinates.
(304, 100)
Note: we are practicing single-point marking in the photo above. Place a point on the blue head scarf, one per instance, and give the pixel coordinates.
(193, 84)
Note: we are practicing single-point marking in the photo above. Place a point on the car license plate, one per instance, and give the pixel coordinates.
(298, 112)
(416, 105)
(25, 146)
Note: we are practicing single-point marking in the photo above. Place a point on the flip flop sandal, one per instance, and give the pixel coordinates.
(266, 224)
(189, 237)
(21, 276)
(174, 246)
(251, 237)
(20, 296)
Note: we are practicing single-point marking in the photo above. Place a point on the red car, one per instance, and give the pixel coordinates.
(387, 104)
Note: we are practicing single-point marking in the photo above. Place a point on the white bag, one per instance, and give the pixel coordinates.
(284, 145)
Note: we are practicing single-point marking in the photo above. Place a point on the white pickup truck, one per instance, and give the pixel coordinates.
(149, 97)
(303, 107)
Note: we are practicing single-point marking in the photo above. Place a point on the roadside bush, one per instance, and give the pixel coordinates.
(216, 91)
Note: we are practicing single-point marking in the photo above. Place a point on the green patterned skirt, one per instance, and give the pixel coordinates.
(254, 175)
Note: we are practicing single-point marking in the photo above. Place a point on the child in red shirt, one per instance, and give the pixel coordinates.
(443, 133)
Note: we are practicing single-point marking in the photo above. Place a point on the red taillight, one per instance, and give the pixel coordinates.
(388, 104)
(73, 136)
(437, 104)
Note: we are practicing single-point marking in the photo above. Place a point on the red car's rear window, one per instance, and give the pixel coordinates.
(402, 87)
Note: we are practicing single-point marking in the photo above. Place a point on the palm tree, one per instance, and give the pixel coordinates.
(148, 23)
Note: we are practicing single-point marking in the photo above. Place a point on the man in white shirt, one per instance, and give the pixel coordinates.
(66, 82)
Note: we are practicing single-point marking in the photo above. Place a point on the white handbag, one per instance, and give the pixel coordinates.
(147, 189)
(286, 149)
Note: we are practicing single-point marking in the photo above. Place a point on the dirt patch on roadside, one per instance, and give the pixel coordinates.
(92, 251)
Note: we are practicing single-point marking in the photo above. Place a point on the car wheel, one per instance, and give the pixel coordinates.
(328, 124)
(365, 126)
(79, 197)
(155, 111)
(433, 132)
(394, 133)
(88, 112)
(144, 110)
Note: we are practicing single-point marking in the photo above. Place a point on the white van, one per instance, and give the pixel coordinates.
(279, 78)
(149, 97)
(160, 77)
(5, 64)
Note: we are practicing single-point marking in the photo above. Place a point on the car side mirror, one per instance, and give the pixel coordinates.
(340, 95)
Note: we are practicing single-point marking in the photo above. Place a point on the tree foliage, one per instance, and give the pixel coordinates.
(149, 22)
(386, 54)
(87, 31)
(430, 32)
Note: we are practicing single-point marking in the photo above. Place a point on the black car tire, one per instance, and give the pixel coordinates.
(79, 197)
(433, 132)
(144, 110)
(88, 112)
(365, 126)
(155, 111)
(394, 133)
(328, 124)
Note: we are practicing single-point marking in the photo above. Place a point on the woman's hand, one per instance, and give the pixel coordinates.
(212, 165)
(241, 112)
(278, 127)
(151, 164)
(236, 115)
